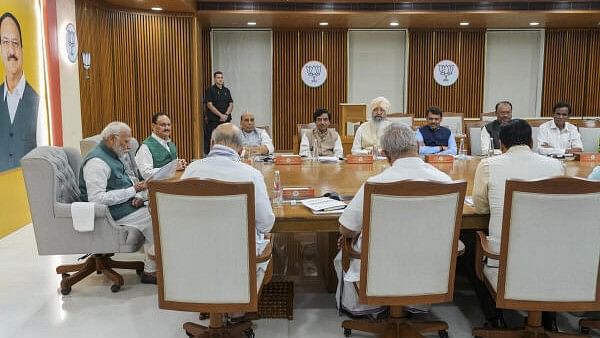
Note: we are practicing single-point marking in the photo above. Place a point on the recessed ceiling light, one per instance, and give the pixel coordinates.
(157, 8)
(534, 24)
(464, 23)
(394, 24)
(323, 23)
(251, 23)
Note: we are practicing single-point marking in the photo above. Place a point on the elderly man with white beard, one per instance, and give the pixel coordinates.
(369, 133)
(103, 180)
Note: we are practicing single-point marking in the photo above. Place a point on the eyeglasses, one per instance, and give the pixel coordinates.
(14, 43)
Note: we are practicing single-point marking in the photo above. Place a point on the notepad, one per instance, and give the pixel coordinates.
(321, 204)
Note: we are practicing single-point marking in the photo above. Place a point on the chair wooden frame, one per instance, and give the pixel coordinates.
(197, 187)
(298, 137)
(533, 326)
(397, 324)
(412, 118)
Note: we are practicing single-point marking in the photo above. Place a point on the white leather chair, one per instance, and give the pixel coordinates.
(407, 256)
(474, 136)
(52, 182)
(453, 121)
(206, 257)
(590, 137)
(549, 254)
(407, 119)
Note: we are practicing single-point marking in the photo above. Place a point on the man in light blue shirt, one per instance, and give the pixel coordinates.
(433, 138)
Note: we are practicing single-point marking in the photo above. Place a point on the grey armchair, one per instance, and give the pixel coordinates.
(51, 178)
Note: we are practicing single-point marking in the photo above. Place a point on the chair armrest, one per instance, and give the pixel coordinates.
(63, 210)
(482, 250)
(266, 254)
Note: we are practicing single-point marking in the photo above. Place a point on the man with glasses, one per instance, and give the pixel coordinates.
(21, 126)
(558, 137)
(104, 180)
(158, 150)
(219, 106)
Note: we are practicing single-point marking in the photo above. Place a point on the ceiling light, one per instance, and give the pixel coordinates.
(394, 24)
(251, 23)
(464, 23)
(323, 23)
(534, 24)
(157, 8)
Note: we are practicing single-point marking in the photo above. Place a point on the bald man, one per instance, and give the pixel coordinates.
(223, 163)
(255, 140)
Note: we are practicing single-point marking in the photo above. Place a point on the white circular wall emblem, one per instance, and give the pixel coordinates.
(445, 73)
(314, 73)
(71, 42)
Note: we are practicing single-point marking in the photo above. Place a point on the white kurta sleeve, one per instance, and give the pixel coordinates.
(144, 161)
(96, 173)
(263, 210)
(485, 141)
(266, 140)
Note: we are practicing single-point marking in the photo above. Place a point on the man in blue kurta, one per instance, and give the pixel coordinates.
(433, 138)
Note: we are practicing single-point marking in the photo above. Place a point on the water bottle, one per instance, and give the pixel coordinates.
(277, 190)
(375, 152)
(491, 150)
(462, 153)
(315, 151)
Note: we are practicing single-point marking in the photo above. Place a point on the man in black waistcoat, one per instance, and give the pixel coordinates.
(433, 138)
(19, 107)
(219, 106)
(492, 129)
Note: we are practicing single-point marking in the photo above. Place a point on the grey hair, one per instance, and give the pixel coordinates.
(232, 140)
(114, 128)
(398, 139)
(381, 102)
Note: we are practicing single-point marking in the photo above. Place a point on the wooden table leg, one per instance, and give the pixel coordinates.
(327, 249)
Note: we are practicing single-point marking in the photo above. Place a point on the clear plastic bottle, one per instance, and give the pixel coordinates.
(277, 190)
(375, 152)
(462, 153)
(491, 150)
(315, 150)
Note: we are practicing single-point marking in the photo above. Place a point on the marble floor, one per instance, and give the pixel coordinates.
(32, 306)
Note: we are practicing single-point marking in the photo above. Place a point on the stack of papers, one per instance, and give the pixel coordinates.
(322, 205)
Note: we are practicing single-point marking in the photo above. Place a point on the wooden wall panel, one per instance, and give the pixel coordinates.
(294, 102)
(141, 63)
(565, 68)
(592, 92)
(426, 49)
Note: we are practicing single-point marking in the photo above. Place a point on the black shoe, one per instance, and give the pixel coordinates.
(148, 277)
(496, 323)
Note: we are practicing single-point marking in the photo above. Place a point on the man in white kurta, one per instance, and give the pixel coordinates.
(96, 174)
(400, 147)
(369, 133)
(223, 163)
(557, 136)
(255, 140)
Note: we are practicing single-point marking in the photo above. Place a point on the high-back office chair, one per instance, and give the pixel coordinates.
(87, 144)
(409, 259)
(474, 136)
(453, 121)
(51, 178)
(401, 118)
(590, 135)
(206, 257)
(549, 252)
(488, 117)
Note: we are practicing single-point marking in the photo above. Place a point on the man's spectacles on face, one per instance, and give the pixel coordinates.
(14, 43)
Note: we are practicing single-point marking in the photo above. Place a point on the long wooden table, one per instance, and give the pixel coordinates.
(346, 179)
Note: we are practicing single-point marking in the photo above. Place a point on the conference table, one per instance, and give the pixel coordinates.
(345, 179)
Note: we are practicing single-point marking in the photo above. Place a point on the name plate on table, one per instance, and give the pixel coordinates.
(288, 159)
(298, 193)
(587, 157)
(439, 158)
(359, 159)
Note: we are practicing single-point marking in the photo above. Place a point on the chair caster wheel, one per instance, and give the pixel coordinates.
(115, 288)
(249, 333)
(65, 275)
(65, 291)
(204, 315)
(584, 330)
(347, 332)
(443, 334)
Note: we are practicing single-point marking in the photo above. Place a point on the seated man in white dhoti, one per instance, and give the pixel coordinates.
(368, 135)
(103, 179)
(223, 163)
(399, 145)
